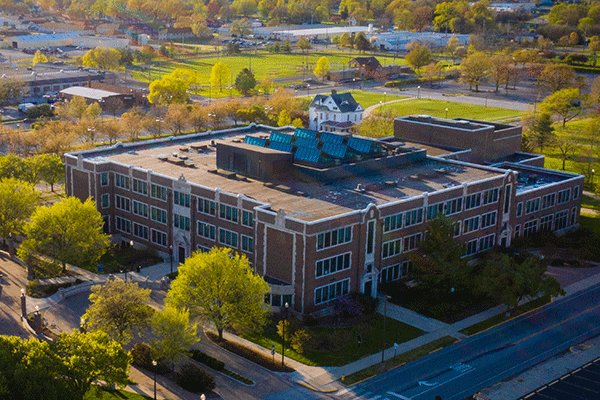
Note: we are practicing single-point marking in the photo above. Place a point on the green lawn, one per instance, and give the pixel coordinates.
(590, 202)
(367, 99)
(399, 360)
(101, 394)
(344, 346)
(437, 108)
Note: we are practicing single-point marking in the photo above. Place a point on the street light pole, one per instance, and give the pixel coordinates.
(171, 256)
(154, 363)
(446, 112)
(283, 343)
(385, 299)
(418, 92)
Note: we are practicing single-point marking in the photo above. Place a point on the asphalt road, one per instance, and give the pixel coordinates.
(461, 370)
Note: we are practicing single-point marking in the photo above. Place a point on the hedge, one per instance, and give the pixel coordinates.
(583, 68)
(207, 360)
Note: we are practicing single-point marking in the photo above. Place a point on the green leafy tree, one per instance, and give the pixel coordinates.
(418, 57)
(67, 231)
(101, 57)
(118, 308)
(91, 357)
(361, 42)
(39, 58)
(346, 40)
(219, 75)
(322, 67)
(171, 88)
(77, 107)
(566, 143)
(241, 27)
(431, 71)
(541, 131)
(220, 287)
(566, 103)
(173, 333)
(245, 82)
(17, 202)
(284, 118)
(511, 280)
(474, 69)
(12, 166)
(287, 47)
(452, 48)
(51, 169)
(556, 77)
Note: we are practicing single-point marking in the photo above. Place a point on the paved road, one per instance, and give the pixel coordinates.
(473, 364)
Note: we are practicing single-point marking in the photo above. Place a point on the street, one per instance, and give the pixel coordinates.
(461, 370)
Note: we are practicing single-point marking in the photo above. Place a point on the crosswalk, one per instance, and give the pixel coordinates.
(359, 393)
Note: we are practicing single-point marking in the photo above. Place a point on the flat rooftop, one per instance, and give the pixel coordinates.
(195, 159)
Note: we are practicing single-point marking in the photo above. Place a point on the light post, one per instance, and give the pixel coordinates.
(171, 256)
(82, 325)
(202, 396)
(353, 84)
(592, 177)
(418, 92)
(385, 299)
(159, 122)
(154, 363)
(91, 133)
(446, 112)
(23, 304)
(283, 343)
(308, 89)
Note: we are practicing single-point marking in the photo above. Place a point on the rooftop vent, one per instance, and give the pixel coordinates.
(360, 188)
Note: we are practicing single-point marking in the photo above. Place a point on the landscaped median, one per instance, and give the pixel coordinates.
(399, 360)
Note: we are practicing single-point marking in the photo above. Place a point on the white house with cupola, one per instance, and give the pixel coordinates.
(334, 112)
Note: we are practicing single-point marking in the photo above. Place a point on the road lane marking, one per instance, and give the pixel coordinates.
(398, 396)
(342, 392)
(376, 397)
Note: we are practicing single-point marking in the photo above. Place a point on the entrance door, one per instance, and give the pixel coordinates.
(181, 258)
(368, 287)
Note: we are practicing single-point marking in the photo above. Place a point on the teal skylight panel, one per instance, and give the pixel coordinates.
(360, 145)
(305, 133)
(307, 154)
(331, 138)
(281, 137)
(281, 146)
(255, 141)
(305, 142)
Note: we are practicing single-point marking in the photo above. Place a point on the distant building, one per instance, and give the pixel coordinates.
(176, 34)
(398, 40)
(102, 97)
(366, 64)
(334, 112)
(44, 40)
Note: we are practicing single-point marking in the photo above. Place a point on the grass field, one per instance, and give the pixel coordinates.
(101, 394)
(437, 108)
(396, 332)
(367, 99)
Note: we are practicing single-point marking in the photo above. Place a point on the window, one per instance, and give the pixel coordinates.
(564, 196)
(370, 237)
(472, 201)
(434, 209)
(487, 242)
(104, 179)
(471, 224)
(548, 200)
(158, 237)
(158, 215)
(158, 192)
(206, 230)
(507, 198)
(122, 203)
(140, 231)
(561, 220)
(181, 222)
(532, 206)
(228, 213)
(206, 206)
(329, 292)
(122, 181)
(453, 206)
(530, 228)
(248, 218)
(247, 244)
(395, 272)
(392, 222)
(519, 209)
(105, 200)
(140, 209)
(517, 231)
(391, 248)
(488, 219)
(228, 237)
(332, 265)
(123, 225)
(490, 196)
(456, 229)
(412, 242)
(333, 238)
(575, 192)
(573, 215)
(203, 249)
(471, 247)
(546, 223)
(181, 199)
(413, 217)
(140, 187)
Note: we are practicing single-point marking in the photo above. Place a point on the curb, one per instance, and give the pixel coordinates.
(306, 385)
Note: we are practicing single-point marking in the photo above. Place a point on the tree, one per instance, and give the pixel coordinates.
(177, 118)
(499, 70)
(510, 280)
(361, 42)
(439, 261)
(566, 142)
(67, 231)
(245, 82)
(117, 308)
(565, 102)
(220, 287)
(10, 89)
(113, 105)
(173, 333)
(432, 70)
(219, 75)
(541, 131)
(284, 119)
(17, 202)
(198, 116)
(241, 27)
(77, 107)
(452, 48)
(322, 67)
(51, 169)
(418, 57)
(133, 122)
(91, 357)
(39, 58)
(556, 77)
(474, 69)
(346, 40)
(111, 129)
(172, 88)
(287, 47)
(101, 57)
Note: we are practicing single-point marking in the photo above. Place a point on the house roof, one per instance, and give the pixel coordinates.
(344, 101)
(369, 62)
(88, 93)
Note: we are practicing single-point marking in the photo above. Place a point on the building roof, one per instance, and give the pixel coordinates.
(369, 62)
(47, 37)
(88, 93)
(42, 72)
(344, 101)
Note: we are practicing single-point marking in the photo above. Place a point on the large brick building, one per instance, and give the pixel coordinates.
(318, 214)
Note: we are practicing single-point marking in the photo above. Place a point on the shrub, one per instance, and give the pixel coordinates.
(141, 354)
(207, 360)
(355, 304)
(299, 340)
(194, 379)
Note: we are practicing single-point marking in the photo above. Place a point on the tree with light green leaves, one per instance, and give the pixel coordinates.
(67, 232)
(39, 58)
(51, 169)
(173, 334)
(102, 57)
(220, 287)
(118, 308)
(322, 67)
(566, 103)
(172, 88)
(418, 57)
(245, 82)
(474, 69)
(17, 202)
(220, 75)
(541, 131)
(284, 118)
